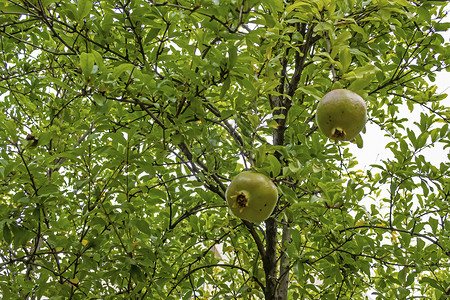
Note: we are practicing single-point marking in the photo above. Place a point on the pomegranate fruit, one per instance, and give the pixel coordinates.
(341, 115)
(252, 196)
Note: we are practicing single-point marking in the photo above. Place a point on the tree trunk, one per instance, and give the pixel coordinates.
(270, 259)
(282, 290)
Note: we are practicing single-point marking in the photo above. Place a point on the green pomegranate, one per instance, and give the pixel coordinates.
(252, 196)
(341, 115)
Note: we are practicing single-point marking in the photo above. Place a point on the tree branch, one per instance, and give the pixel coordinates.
(412, 233)
(212, 266)
(255, 237)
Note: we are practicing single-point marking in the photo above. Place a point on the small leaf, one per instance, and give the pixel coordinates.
(290, 195)
(296, 238)
(84, 8)
(422, 139)
(359, 223)
(87, 63)
(291, 7)
(359, 141)
(433, 224)
(412, 137)
(275, 165)
(432, 282)
(7, 234)
(136, 273)
(341, 39)
(270, 21)
(246, 83)
(299, 270)
(151, 35)
(122, 68)
(345, 58)
(410, 279)
(98, 60)
(403, 3)
(49, 189)
(225, 87)
(143, 226)
(58, 82)
(275, 5)
(365, 267)
(232, 55)
(7, 7)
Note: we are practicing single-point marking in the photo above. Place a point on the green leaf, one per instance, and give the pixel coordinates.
(297, 4)
(143, 226)
(136, 273)
(254, 120)
(299, 270)
(341, 39)
(433, 283)
(87, 63)
(359, 141)
(422, 139)
(84, 8)
(20, 235)
(296, 238)
(345, 58)
(98, 60)
(433, 224)
(58, 82)
(275, 5)
(7, 234)
(359, 30)
(120, 69)
(412, 137)
(275, 165)
(403, 2)
(153, 33)
(248, 85)
(270, 20)
(232, 55)
(225, 87)
(49, 189)
(289, 194)
(424, 14)
(9, 7)
(410, 279)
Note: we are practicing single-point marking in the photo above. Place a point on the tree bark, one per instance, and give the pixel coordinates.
(282, 290)
(278, 103)
(270, 259)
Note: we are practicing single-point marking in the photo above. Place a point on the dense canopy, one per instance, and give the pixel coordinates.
(123, 122)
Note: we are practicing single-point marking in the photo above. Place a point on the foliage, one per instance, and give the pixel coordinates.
(123, 121)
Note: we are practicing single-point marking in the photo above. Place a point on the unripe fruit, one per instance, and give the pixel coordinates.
(252, 196)
(341, 115)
